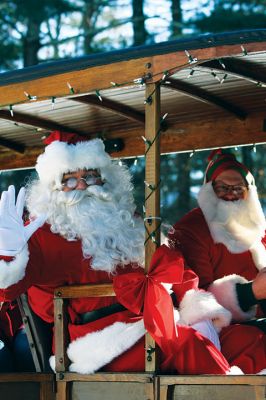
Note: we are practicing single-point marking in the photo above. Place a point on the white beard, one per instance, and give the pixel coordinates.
(109, 232)
(239, 225)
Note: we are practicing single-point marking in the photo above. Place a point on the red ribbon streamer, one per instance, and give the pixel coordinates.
(140, 292)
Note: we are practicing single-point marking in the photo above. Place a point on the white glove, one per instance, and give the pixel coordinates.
(13, 234)
(206, 328)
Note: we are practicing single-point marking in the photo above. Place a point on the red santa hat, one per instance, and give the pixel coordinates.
(222, 159)
(66, 152)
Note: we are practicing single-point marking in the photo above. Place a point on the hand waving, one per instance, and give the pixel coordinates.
(13, 234)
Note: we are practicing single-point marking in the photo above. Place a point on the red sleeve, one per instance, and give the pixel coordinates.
(191, 236)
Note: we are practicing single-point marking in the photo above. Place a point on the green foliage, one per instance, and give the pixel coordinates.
(231, 15)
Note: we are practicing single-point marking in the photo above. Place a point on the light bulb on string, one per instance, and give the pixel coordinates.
(11, 110)
(146, 141)
(221, 63)
(254, 148)
(223, 78)
(98, 95)
(31, 98)
(191, 59)
(192, 154)
(215, 76)
(244, 51)
(53, 102)
(191, 73)
(165, 75)
(72, 91)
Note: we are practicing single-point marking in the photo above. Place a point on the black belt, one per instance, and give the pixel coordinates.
(91, 316)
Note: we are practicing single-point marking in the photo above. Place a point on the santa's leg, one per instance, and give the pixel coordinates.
(194, 354)
(244, 346)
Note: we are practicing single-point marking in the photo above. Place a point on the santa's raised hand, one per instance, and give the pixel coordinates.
(13, 234)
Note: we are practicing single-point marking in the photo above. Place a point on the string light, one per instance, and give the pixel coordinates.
(148, 100)
(11, 110)
(151, 187)
(165, 75)
(254, 148)
(53, 102)
(164, 117)
(31, 98)
(136, 161)
(72, 91)
(98, 95)
(120, 162)
(223, 78)
(260, 84)
(191, 59)
(146, 141)
(221, 63)
(139, 81)
(113, 83)
(244, 51)
(191, 73)
(215, 76)
(192, 154)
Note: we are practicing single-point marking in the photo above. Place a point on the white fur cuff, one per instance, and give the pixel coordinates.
(198, 305)
(12, 272)
(224, 290)
(94, 350)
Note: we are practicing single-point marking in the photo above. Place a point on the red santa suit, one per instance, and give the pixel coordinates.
(223, 257)
(10, 321)
(54, 261)
(54, 256)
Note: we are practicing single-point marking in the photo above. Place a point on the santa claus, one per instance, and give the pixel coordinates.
(224, 242)
(83, 229)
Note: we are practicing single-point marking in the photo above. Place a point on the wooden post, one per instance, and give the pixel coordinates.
(152, 192)
(61, 333)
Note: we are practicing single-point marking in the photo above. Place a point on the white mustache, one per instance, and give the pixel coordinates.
(75, 196)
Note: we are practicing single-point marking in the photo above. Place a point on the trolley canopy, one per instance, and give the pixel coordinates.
(212, 91)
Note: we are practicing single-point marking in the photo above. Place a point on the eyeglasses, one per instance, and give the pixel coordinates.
(72, 182)
(222, 188)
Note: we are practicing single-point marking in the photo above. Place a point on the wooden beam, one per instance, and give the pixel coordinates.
(180, 137)
(238, 67)
(123, 73)
(38, 122)
(113, 106)
(203, 95)
(11, 145)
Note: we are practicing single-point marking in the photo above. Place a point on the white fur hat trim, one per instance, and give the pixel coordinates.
(61, 157)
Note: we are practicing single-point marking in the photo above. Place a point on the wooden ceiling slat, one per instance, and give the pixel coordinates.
(112, 106)
(203, 95)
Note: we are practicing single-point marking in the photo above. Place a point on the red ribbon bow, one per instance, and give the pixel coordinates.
(145, 293)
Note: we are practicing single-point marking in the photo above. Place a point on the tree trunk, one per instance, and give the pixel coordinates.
(176, 25)
(87, 24)
(31, 44)
(183, 184)
(139, 31)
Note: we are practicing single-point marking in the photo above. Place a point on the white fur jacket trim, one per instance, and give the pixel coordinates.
(12, 272)
(94, 350)
(224, 290)
(198, 305)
